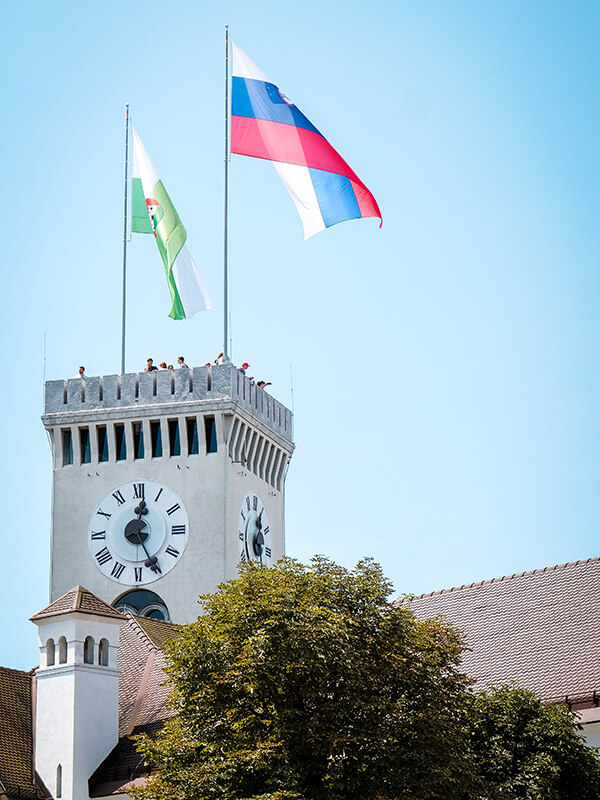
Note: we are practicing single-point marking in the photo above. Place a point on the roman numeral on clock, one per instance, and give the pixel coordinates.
(268, 552)
(102, 556)
(119, 497)
(172, 551)
(241, 536)
(266, 530)
(138, 573)
(103, 513)
(175, 529)
(117, 570)
(242, 556)
(138, 491)
(98, 534)
(173, 509)
(158, 495)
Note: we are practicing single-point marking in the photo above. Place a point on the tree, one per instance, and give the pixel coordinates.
(302, 683)
(527, 749)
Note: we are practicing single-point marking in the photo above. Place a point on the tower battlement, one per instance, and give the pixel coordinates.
(166, 387)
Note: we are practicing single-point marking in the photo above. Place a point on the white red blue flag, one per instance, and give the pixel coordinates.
(266, 124)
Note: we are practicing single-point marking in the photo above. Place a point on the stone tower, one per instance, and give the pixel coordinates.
(162, 483)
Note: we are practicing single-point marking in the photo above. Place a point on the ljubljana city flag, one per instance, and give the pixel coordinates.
(152, 212)
(266, 124)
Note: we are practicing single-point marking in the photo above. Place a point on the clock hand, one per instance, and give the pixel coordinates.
(135, 535)
(258, 539)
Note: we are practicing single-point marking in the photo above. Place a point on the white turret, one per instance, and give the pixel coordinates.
(77, 705)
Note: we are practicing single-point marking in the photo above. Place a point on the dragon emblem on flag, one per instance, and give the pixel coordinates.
(155, 212)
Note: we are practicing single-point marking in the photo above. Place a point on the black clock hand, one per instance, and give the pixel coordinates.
(259, 539)
(135, 535)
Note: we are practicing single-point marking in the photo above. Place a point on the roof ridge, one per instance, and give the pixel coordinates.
(501, 579)
(139, 631)
(78, 599)
(17, 671)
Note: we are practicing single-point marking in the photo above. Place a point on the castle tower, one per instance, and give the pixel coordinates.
(77, 699)
(162, 483)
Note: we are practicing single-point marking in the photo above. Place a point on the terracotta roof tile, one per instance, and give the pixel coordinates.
(16, 734)
(537, 628)
(142, 690)
(78, 599)
(157, 631)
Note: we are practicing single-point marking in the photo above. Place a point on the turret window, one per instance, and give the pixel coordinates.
(210, 431)
(102, 443)
(85, 451)
(58, 792)
(67, 447)
(88, 650)
(192, 436)
(174, 441)
(120, 443)
(50, 654)
(103, 653)
(156, 439)
(62, 650)
(138, 440)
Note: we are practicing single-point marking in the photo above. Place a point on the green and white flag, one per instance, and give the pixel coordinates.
(152, 212)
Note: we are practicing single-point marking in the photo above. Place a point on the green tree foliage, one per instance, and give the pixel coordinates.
(526, 749)
(301, 683)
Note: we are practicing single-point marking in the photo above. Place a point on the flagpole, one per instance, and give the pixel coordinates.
(125, 239)
(226, 203)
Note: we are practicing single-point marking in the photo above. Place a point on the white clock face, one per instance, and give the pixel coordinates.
(254, 531)
(138, 532)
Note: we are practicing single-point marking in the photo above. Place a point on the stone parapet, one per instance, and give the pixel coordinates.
(165, 388)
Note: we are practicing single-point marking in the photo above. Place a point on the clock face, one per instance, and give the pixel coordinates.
(254, 531)
(138, 532)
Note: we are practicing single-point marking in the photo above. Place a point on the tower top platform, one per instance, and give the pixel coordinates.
(161, 392)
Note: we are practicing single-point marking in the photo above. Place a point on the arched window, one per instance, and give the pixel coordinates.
(59, 780)
(103, 653)
(62, 650)
(144, 603)
(50, 653)
(88, 650)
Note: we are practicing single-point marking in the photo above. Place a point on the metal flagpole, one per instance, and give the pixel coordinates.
(225, 240)
(125, 239)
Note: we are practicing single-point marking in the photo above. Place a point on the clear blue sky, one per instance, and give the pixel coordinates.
(445, 368)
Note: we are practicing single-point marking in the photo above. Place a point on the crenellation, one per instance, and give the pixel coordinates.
(205, 384)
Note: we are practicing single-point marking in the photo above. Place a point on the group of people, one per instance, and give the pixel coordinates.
(220, 359)
(260, 384)
(163, 365)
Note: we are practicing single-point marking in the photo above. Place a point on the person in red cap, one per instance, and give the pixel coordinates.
(244, 367)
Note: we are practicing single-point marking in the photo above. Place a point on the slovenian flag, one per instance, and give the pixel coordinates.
(265, 124)
(152, 212)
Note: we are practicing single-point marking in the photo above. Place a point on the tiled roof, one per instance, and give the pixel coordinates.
(143, 705)
(142, 690)
(16, 735)
(538, 628)
(78, 599)
(158, 632)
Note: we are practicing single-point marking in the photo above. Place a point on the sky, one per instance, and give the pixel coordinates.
(443, 371)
